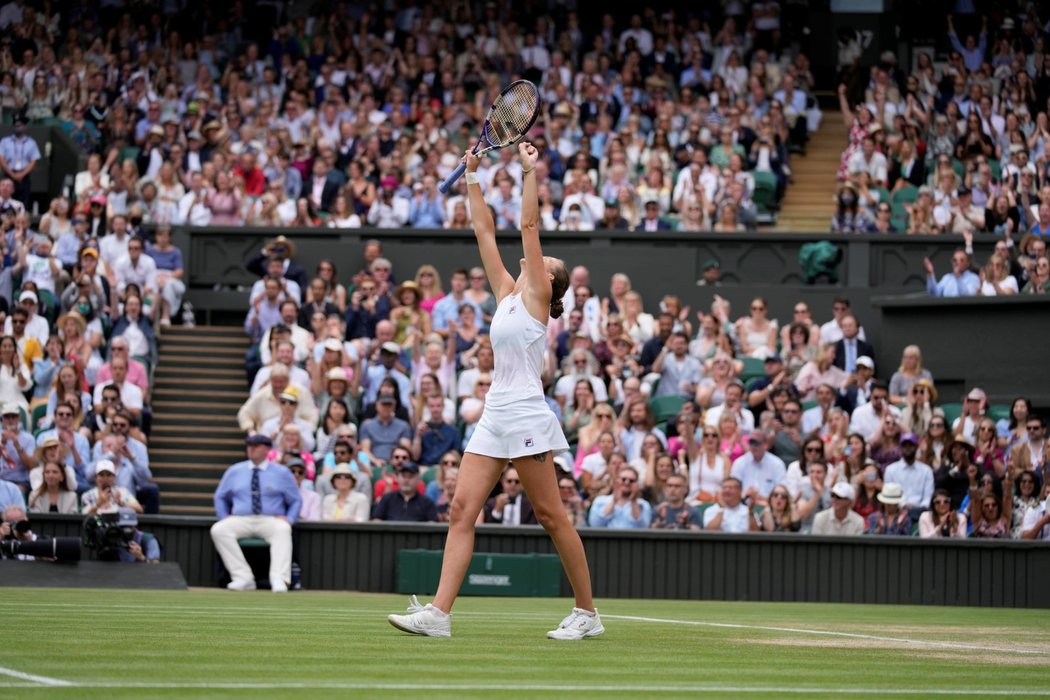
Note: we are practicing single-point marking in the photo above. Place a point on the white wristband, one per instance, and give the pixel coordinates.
(472, 178)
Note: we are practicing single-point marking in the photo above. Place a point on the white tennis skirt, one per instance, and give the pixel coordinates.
(516, 430)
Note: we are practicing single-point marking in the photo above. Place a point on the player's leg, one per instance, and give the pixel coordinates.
(541, 486)
(477, 475)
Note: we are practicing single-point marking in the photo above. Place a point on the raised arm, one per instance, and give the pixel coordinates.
(539, 286)
(500, 280)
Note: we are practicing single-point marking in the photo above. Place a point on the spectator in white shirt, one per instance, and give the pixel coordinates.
(870, 161)
(389, 210)
(138, 269)
(114, 245)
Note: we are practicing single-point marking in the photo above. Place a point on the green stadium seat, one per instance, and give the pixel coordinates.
(999, 411)
(252, 542)
(753, 367)
(666, 407)
(131, 152)
(995, 167)
(806, 405)
(959, 168)
(951, 412)
(39, 413)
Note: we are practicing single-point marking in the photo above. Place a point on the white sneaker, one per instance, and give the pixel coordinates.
(248, 585)
(425, 620)
(578, 625)
(279, 587)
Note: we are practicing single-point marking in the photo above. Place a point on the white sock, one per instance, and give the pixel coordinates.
(438, 610)
(588, 613)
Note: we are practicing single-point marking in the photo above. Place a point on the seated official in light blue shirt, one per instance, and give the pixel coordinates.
(256, 498)
(960, 282)
(624, 508)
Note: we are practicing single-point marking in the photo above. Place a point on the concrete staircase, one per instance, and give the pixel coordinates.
(808, 203)
(198, 387)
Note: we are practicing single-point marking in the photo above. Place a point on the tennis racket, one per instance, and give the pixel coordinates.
(510, 117)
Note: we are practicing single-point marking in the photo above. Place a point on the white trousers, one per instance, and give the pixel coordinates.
(277, 532)
(172, 293)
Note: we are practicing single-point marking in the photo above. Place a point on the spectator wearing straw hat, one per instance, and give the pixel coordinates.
(891, 518)
(346, 504)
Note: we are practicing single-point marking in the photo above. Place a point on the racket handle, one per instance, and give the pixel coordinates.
(445, 186)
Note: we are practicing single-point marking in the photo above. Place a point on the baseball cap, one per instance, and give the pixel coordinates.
(333, 344)
(105, 465)
(289, 395)
(29, 294)
(127, 518)
(976, 394)
(92, 252)
(409, 467)
(391, 346)
(843, 490)
(10, 409)
(98, 199)
(774, 358)
(336, 374)
(386, 398)
(755, 439)
(388, 182)
(710, 263)
(865, 361)
(909, 437)
(258, 439)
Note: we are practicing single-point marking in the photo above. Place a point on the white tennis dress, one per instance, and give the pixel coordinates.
(516, 420)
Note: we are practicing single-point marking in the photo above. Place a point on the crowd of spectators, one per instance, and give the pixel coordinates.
(77, 356)
(369, 392)
(960, 146)
(350, 117)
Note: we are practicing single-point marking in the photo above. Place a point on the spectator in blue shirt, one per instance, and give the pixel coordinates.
(256, 498)
(426, 209)
(434, 437)
(447, 308)
(624, 508)
(973, 51)
(19, 154)
(960, 282)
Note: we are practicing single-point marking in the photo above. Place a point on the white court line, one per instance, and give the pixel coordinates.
(36, 680)
(827, 633)
(551, 687)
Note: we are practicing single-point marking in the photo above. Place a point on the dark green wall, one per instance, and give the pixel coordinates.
(661, 564)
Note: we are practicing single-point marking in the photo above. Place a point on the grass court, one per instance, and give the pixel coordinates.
(208, 643)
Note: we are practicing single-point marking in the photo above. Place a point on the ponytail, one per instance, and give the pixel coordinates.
(557, 308)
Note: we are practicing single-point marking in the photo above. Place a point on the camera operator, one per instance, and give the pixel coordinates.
(107, 497)
(15, 526)
(139, 547)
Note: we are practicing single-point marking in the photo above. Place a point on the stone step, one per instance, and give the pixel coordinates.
(186, 510)
(186, 482)
(203, 394)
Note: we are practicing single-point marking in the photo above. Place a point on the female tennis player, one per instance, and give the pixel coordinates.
(517, 424)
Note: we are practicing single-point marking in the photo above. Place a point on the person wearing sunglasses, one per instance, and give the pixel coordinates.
(1026, 497)
(942, 521)
(1032, 455)
(511, 507)
(624, 508)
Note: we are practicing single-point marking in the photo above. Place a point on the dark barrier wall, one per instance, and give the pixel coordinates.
(753, 264)
(660, 564)
(977, 341)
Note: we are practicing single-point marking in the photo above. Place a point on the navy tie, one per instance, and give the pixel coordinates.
(256, 493)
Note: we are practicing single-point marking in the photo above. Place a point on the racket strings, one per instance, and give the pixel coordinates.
(512, 114)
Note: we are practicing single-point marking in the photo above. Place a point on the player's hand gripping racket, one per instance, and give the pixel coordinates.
(510, 117)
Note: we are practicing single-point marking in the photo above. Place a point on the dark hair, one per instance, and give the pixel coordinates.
(1035, 477)
(1036, 417)
(795, 326)
(880, 384)
(1013, 420)
(559, 286)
